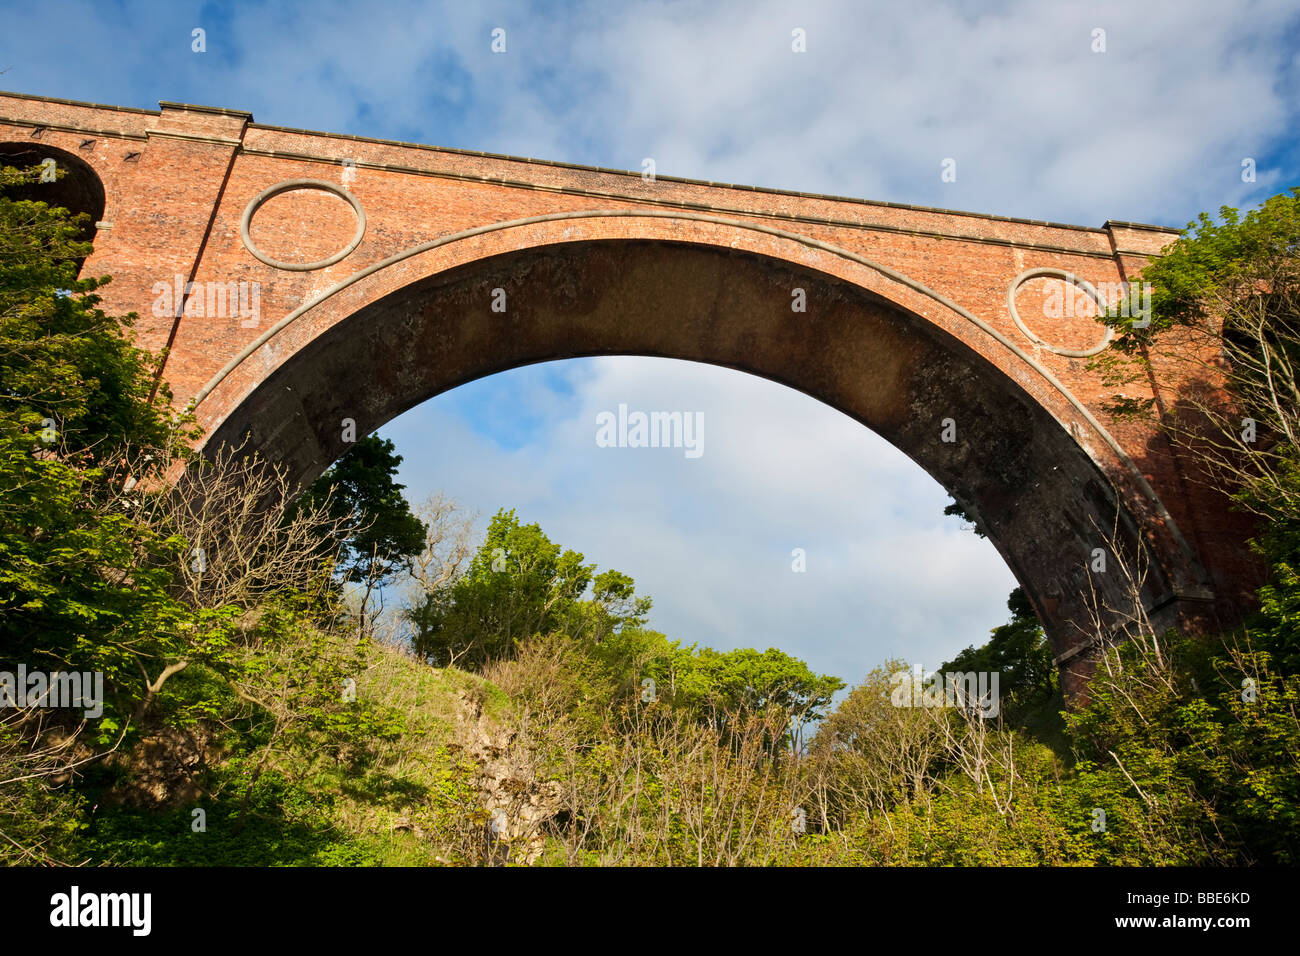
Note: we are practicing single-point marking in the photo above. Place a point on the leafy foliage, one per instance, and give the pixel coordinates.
(1019, 653)
(361, 487)
(518, 584)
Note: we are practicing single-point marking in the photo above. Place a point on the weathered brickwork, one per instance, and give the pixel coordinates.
(907, 320)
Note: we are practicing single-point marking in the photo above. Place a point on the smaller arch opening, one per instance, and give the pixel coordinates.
(78, 189)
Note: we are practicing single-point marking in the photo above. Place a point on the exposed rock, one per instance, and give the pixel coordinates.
(517, 803)
(166, 767)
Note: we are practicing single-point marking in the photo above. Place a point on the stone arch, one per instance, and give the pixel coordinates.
(1029, 461)
(81, 190)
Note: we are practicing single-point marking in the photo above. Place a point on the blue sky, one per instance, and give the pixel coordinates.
(1153, 129)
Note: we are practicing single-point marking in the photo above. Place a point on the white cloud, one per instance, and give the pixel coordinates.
(1041, 126)
(1154, 128)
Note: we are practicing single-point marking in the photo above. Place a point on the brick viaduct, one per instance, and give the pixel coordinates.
(370, 269)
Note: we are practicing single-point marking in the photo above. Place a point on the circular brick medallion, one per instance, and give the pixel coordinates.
(295, 185)
(1067, 279)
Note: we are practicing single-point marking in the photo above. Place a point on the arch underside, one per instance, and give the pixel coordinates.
(1039, 496)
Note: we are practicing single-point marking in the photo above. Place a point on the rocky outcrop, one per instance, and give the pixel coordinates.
(167, 768)
(517, 803)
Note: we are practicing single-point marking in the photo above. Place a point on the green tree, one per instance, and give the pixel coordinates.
(869, 755)
(758, 681)
(83, 580)
(84, 584)
(361, 489)
(519, 583)
(98, 571)
(69, 374)
(1193, 754)
(1019, 654)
